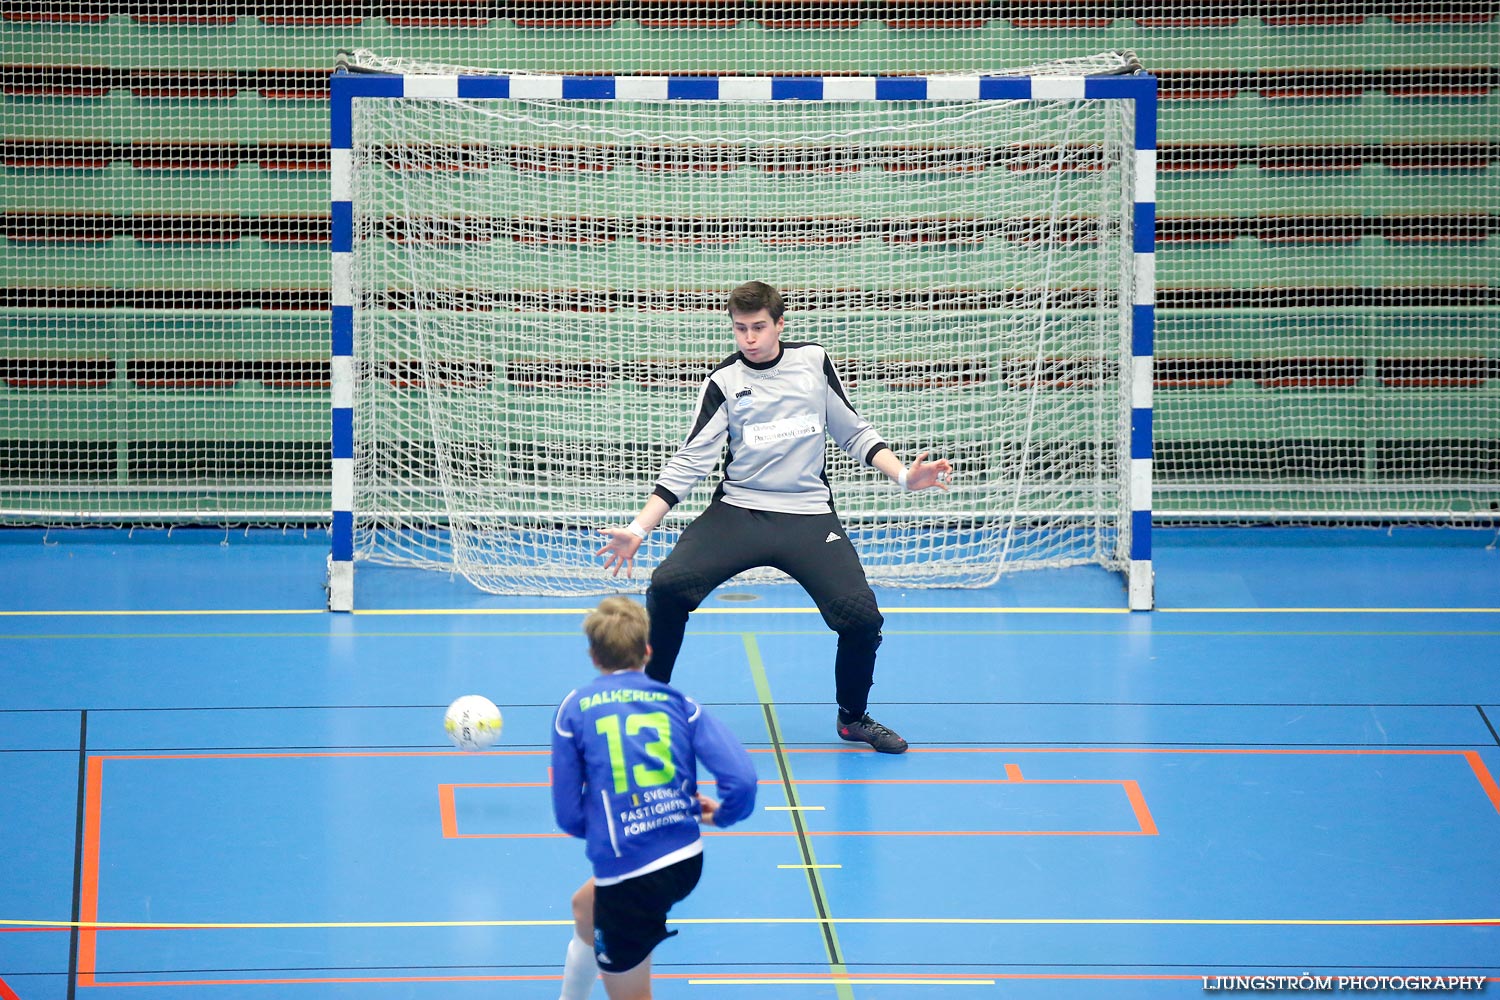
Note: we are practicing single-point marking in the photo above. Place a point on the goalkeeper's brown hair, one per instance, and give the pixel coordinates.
(617, 631)
(753, 296)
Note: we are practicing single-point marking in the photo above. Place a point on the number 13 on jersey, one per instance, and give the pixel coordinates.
(658, 750)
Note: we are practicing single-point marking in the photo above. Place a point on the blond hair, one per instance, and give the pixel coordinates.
(617, 633)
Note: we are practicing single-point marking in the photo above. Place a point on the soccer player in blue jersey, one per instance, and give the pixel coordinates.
(767, 410)
(625, 754)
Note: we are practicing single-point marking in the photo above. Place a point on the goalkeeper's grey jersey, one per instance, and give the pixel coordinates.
(769, 421)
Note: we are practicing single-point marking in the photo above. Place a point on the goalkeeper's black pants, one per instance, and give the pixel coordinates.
(812, 549)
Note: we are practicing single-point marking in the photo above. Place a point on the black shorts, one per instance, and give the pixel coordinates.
(630, 917)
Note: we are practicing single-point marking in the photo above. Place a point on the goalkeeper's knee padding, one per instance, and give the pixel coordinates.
(676, 592)
(855, 617)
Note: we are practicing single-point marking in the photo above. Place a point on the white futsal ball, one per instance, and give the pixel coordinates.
(473, 722)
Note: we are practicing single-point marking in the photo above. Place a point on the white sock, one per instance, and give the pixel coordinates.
(579, 971)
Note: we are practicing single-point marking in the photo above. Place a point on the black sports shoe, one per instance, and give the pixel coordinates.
(866, 730)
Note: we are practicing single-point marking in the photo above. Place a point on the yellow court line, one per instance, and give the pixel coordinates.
(531, 612)
(1329, 611)
(575, 612)
(759, 610)
(908, 921)
(951, 611)
(805, 867)
(1255, 633)
(794, 808)
(122, 612)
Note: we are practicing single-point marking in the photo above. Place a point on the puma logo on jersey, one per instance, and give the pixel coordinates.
(832, 537)
(742, 400)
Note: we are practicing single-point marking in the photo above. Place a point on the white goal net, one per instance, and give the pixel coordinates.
(539, 290)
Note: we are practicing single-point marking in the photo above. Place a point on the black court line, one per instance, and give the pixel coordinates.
(967, 702)
(963, 633)
(830, 942)
(746, 964)
(968, 966)
(781, 745)
(1020, 746)
(1487, 724)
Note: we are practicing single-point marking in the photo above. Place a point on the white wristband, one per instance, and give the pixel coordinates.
(637, 529)
(901, 479)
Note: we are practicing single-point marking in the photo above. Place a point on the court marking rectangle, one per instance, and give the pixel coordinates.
(1145, 824)
(90, 925)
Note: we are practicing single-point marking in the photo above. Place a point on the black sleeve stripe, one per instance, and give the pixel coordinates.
(833, 381)
(713, 398)
(667, 495)
(875, 449)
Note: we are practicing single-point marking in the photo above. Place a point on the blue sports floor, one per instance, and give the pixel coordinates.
(211, 788)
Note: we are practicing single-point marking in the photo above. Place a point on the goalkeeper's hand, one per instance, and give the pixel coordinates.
(922, 474)
(619, 551)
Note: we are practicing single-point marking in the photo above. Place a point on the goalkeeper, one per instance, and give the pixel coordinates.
(772, 403)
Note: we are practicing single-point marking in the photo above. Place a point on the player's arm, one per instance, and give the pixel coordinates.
(861, 442)
(567, 777)
(919, 475)
(854, 435)
(731, 766)
(694, 460)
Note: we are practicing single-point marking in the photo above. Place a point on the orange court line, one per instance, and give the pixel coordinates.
(93, 796)
(88, 912)
(1486, 780)
(1142, 812)
(449, 810)
(6, 993)
(326, 980)
(1304, 751)
(929, 833)
(900, 781)
(857, 976)
(852, 977)
(269, 755)
(88, 878)
(1290, 751)
(831, 977)
(847, 833)
(777, 782)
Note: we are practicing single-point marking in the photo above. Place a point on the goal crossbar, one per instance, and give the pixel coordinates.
(1138, 89)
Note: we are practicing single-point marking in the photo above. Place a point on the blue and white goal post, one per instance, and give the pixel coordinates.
(847, 259)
